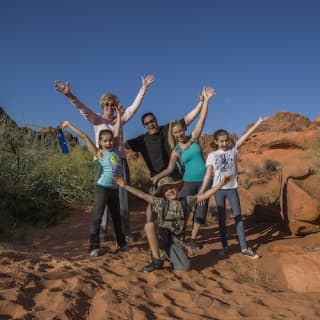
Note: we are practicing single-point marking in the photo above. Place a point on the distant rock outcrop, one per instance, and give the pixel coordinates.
(43, 133)
(279, 168)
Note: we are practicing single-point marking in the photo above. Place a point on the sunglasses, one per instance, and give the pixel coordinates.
(149, 122)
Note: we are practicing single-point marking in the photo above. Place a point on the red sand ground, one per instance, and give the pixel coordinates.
(51, 276)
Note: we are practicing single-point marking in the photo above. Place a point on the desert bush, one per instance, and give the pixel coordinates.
(139, 173)
(37, 180)
(270, 166)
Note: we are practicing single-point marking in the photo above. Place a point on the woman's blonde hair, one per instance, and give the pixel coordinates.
(171, 140)
(108, 97)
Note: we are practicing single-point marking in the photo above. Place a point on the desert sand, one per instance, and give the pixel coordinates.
(49, 275)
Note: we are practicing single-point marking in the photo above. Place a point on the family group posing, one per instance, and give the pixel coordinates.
(183, 181)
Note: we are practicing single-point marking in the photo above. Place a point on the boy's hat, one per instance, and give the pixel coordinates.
(165, 182)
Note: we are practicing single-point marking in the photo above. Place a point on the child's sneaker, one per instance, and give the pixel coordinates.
(194, 245)
(156, 264)
(94, 253)
(250, 253)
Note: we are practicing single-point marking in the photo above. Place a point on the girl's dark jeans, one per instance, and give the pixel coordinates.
(110, 198)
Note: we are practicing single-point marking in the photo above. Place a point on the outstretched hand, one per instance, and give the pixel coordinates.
(62, 87)
(154, 180)
(64, 124)
(119, 182)
(227, 179)
(147, 80)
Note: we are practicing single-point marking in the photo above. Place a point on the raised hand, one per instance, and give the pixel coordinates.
(209, 92)
(262, 119)
(62, 87)
(64, 124)
(147, 80)
(119, 109)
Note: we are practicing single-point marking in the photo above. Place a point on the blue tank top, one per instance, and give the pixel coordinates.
(194, 163)
(111, 165)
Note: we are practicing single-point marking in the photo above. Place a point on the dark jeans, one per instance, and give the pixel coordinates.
(110, 198)
(233, 198)
(124, 209)
(191, 189)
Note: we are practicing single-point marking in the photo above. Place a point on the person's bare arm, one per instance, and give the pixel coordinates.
(249, 131)
(207, 93)
(117, 126)
(213, 190)
(189, 117)
(172, 163)
(91, 146)
(137, 192)
(130, 111)
(64, 88)
(206, 180)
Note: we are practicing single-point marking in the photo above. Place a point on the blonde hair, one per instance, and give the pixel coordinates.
(171, 140)
(108, 97)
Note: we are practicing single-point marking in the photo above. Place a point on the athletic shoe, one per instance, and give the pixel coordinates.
(94, 253)
(156, 264)
(193, 244)
(250, 253)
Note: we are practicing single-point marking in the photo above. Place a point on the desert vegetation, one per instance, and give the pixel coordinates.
(38, 181)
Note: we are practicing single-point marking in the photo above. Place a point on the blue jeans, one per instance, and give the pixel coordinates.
(106, 197)
(124, 209)
(233, 198)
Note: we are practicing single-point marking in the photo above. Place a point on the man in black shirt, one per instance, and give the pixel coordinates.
(155, 150)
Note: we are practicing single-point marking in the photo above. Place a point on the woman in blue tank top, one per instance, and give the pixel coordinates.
(106, 191)
(187, 154)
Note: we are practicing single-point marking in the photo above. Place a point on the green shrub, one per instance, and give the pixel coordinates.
(139, 173)
(37, 180)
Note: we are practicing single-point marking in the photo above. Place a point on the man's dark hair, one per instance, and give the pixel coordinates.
(147, 114)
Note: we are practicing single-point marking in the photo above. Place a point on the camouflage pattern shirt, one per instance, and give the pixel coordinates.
(173, 214)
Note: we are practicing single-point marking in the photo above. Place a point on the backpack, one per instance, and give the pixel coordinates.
(175, 222)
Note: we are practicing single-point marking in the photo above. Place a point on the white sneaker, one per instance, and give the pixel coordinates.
(250, 253)
(94, 253)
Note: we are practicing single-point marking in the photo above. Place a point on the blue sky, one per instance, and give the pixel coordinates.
(261, 56)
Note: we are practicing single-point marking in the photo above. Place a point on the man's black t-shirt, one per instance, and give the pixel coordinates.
(155, 150)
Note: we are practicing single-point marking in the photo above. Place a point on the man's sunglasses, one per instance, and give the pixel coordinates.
(149, 122)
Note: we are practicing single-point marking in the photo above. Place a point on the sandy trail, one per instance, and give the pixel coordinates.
(51, 276)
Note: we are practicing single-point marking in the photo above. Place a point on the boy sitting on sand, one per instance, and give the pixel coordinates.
(173, 214)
